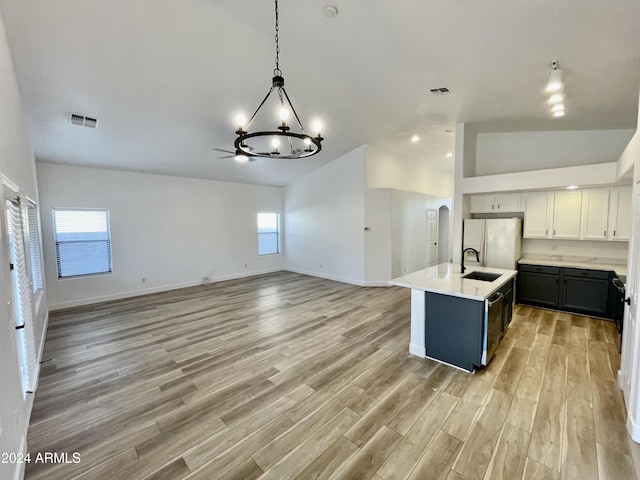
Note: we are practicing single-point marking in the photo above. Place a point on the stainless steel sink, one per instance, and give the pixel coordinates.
(482, 276)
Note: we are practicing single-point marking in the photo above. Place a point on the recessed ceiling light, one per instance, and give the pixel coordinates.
(449, 155)
(559, 113)
(415, 139)
(572, 187)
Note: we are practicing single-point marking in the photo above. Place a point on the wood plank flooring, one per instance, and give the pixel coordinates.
(289, 376)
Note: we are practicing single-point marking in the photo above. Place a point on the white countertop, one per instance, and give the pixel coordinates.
(576, 262)
(446, 278)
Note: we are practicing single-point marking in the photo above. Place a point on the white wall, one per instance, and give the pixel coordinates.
(171, 231)
(526, 151)
(409, 174)
(324, 220)
(17, 164)
(409, 229)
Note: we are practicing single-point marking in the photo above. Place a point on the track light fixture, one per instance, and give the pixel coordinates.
(555, 87)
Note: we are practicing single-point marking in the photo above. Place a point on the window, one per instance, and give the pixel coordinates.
(34, 247)
(268, 233)
(83, 241)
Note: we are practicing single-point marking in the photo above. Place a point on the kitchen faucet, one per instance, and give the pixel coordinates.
(462, 267)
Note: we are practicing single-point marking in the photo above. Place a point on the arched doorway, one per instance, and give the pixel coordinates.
(443, 234)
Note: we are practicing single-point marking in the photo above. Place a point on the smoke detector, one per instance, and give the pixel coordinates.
(330, 11)
(82, 121)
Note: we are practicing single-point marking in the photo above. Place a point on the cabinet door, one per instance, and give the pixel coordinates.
(566, 215)
(537, 212)
(620, 214)
(538, 289)
(595, 214)
(508, 202)
(585, 295)
(482, 204)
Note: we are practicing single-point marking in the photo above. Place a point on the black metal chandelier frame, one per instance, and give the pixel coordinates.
(312, 144)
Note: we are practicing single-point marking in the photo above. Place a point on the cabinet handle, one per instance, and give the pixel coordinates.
(554, 231)
(498, 206)
(492, 207)
(605, 233)
(546, 232)
(614, 233)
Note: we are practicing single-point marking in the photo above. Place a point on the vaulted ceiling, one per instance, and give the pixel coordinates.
(167, 77)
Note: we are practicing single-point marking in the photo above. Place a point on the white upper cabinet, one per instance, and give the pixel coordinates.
(595, 214)
(538, 214)
(566, 214)
(505, 202)
(620, 214)
(482, 204)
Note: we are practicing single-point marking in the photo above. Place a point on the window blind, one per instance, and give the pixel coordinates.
(83, 241)
(34, 247)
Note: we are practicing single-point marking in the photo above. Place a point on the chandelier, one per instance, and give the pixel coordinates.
(281, 141)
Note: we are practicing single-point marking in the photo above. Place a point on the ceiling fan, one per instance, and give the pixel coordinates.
(237, 155)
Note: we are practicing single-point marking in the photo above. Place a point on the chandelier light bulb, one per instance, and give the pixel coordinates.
(559, 113)
(558, 107)
(317, 127)
(241, 120)
(275, 143)
(415, 139)
(284, 115)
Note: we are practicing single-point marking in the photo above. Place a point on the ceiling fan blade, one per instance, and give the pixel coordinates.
(223, 150)
(226, 156)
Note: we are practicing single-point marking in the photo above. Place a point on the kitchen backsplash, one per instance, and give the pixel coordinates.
(615, 251)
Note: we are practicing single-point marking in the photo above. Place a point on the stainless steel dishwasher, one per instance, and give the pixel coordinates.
(493, 325)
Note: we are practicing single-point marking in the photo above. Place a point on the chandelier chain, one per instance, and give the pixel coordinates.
(277, 71)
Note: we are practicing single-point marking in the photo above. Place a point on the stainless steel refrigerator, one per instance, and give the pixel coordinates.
(497, 240)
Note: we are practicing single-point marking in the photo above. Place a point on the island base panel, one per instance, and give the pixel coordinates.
(454, 330)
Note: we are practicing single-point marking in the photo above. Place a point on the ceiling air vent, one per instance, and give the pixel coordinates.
(440, 91)
(83, 121)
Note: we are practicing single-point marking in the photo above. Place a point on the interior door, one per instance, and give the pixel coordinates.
(629, 343)
(432, 237)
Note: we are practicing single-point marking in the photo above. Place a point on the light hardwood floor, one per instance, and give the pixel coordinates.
(289, 376)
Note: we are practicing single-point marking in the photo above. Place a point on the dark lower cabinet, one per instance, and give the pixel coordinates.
(539, 287)
(568, 289)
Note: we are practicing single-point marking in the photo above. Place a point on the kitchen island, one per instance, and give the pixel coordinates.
(458, 320)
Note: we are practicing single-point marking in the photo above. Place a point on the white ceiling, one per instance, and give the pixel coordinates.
(167, 77)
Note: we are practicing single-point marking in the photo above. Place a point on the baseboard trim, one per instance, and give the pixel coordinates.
(20, 467)
(162, 288)
(335, 278)
(633, 430)
(417, 351)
